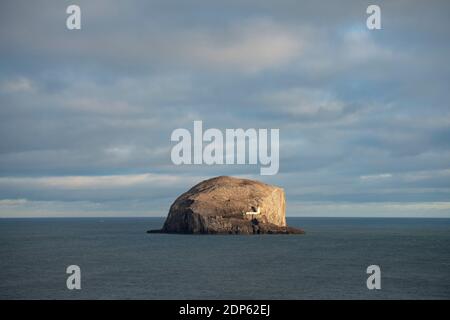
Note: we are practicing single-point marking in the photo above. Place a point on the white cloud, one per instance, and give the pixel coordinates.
(94, 182)
(17, 85)
(408, 177)
(29, 208)
(425, 175)
(12, 202)
(251, 46)
(304, 102)
(376, 176)
(359, 46)
(370, 209)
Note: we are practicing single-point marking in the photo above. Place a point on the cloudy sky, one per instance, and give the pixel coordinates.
(86, 116)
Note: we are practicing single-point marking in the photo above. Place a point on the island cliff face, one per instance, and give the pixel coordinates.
(226, 205)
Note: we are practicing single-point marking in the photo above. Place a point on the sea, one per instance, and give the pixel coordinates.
(119, 260)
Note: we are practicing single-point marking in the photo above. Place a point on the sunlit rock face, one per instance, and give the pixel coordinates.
(226, 205)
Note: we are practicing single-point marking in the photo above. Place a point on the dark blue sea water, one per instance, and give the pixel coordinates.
(119, 260)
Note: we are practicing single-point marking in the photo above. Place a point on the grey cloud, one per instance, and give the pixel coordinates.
(102, 102)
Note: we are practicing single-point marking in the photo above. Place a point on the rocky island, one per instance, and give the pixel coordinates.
(227, 205)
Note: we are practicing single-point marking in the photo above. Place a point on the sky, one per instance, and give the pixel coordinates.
(86, 115)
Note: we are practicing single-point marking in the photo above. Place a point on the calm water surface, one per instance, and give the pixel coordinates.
(119, 260)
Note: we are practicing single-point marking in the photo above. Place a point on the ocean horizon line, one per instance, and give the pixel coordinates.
(163, 217)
